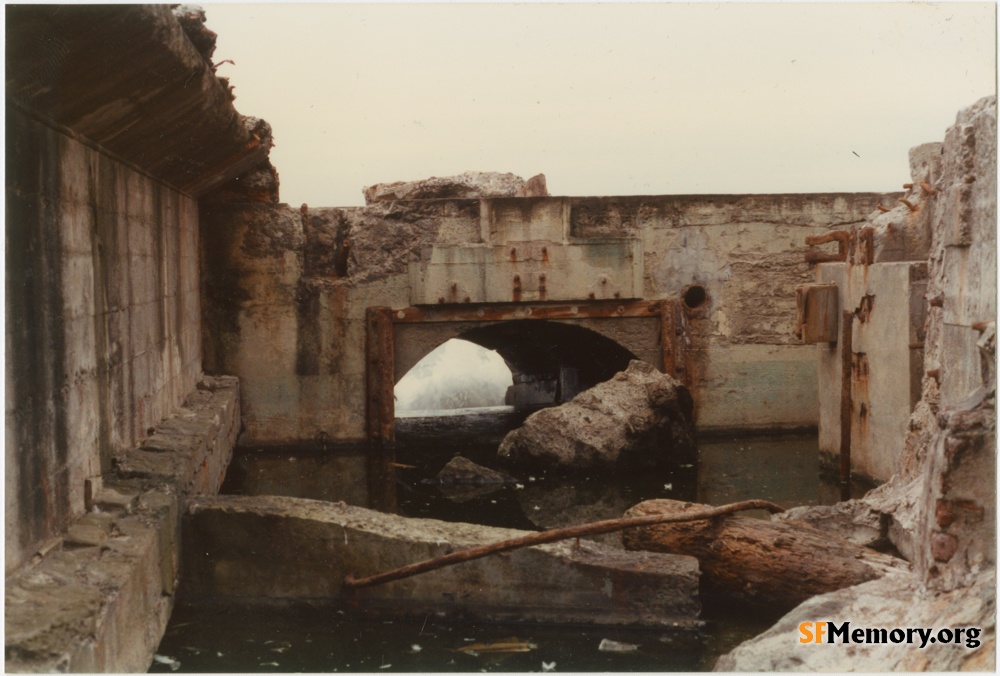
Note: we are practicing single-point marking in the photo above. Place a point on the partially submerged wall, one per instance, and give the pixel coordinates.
(285, 292)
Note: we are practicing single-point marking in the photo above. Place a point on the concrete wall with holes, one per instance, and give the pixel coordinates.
(286, 290)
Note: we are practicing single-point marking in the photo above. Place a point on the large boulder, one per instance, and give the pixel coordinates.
(470, 185)
(640, 418)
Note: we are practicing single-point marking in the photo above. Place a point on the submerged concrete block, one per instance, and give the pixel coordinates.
(272, 547)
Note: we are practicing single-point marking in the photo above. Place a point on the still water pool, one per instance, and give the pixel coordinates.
(206, 637)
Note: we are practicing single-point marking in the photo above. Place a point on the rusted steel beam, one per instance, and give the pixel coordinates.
(846, 404)
(380, 407)
(555, 535)
(499, 312)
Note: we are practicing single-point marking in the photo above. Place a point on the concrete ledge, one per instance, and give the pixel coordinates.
(98, 598)
(270, 548)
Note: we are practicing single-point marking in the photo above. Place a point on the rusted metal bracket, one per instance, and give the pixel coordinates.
(555, 535)
(841, 237)
(499, 312)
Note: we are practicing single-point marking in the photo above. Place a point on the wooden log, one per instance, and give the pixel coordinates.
(774, 563)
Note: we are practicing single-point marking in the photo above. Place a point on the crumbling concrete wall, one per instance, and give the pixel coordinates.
(103, 320)
(116, 124)
(286, 291)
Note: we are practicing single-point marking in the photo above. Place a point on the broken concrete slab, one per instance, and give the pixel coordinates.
(471, 184)
(639, 419)
(272, 547)
(890, 602)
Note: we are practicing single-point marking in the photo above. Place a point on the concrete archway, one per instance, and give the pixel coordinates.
(556, 350)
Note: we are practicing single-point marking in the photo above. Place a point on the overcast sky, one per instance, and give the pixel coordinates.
(610, 99)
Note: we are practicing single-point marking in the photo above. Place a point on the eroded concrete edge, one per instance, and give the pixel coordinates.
(98, 598)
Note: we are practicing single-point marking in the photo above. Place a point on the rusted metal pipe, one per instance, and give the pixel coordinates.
(909, 205)
(555, 535)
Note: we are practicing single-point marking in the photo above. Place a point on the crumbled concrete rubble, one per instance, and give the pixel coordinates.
(269, 547)
(192, 20)
(98, 598)
(855, 520)
(640, 418)
(470, 185)
(890, 602)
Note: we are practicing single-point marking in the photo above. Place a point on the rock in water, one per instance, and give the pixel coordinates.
(463, 472)
(641, 418)
(470, 185)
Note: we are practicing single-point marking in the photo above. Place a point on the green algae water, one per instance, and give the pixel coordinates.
(207, 637)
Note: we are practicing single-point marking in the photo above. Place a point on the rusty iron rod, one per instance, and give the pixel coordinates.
(555, 535)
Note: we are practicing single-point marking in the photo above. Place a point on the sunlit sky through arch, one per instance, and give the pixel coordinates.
(605, 99)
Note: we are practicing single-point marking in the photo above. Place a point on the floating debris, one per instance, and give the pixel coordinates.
(415, 648)
(548, 666)
(169, 661)
(506, 645)
(609, 646)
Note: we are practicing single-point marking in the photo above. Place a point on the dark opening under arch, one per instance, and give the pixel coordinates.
(550, 361)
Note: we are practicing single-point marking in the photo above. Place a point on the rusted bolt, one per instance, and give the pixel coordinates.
(604, 281)
(545, 254)
(907, 185)
(513, 255)
(883, 209)
(441, 300)
(591, 295)
(936, 300)
(541, 278)
(980, 326)
(926, 187)
(517, 279)
(935, 374)
(454, 288)
(621, 309)
(468, 300)
(618, 294)
(909, 205)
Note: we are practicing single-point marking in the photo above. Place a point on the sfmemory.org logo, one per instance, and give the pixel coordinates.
(831, 632)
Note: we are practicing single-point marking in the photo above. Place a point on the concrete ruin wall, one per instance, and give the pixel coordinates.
(285, 293)
(939, 506)
(103, 331)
